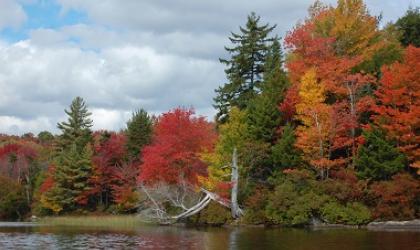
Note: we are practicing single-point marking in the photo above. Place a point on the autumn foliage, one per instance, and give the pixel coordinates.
(174, 155)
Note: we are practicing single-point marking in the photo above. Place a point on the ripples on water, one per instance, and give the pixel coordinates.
(27, 236)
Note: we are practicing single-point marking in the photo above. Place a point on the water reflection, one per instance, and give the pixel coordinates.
(15, 236)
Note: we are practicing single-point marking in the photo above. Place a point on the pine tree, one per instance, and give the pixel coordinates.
(71, 178)
(77, 128)
(285, 155)
(378, 159)
(139, 133)
(264, 116)
(245, 68)
(409, 26)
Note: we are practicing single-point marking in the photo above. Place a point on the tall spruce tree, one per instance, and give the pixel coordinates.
(245, 67)
(77, 128)
(73, 160)
(139, 133)
(71, 177)
(264, 116)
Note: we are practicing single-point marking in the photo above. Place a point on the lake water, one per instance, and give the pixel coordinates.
(27, 236)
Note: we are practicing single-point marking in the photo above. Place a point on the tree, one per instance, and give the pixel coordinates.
(139, 133)
(314, 116)
(70, 180)
(13, 205)
(109, 155)
(398, 109)
(264, 116)
(378, 159)
(174, 155)
(77, 128)
(45, 137)
(285, 155)
(245, 68)
(354, 29)
(409, 26)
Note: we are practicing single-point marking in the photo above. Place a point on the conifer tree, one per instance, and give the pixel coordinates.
(71, 178)
(77, 128)
(409, 26)
(264, 116)
(378, 159)
(245, 67)
(139, 133)
(285, 155)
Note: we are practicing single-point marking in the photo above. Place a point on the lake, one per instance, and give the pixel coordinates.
(29, 236)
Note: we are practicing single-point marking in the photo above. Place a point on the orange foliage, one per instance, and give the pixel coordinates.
(398, 110)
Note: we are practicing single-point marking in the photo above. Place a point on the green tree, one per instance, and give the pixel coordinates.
(13, 205)
(77, 128)
(409, 26)
(71, 179)
(45, 137)
(139, 132)
(245, 67)
(284, 152)
(264, 116)
(378, 159)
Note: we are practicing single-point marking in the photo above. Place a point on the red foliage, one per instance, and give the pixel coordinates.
(288, 106)
(175, 151)
(345, 186)
(395, 199)
(398, 110)
(48, 181)
(109, 159)
(15, 160)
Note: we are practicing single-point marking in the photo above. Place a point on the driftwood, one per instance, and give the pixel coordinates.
(178, 197)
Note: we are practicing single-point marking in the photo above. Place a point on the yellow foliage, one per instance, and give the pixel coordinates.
(355, 30)
(231, 134)
(46, 203)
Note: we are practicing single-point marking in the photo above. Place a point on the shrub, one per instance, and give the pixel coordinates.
(395, 199)
(352, 214)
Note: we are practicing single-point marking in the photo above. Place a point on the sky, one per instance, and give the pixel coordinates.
(123, 55)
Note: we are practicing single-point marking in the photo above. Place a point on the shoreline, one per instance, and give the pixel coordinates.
(130, 221)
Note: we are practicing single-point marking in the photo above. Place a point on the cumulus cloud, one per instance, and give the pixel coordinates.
(154, 54)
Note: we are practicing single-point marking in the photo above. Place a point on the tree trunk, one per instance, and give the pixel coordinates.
(236, 211)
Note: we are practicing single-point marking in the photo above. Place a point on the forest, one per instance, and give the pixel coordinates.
(320, 125)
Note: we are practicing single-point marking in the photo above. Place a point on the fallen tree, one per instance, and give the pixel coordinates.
(169, 203)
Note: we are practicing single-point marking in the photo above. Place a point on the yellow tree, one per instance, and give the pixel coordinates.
(232, 134)
(314, 114)
(354, 29)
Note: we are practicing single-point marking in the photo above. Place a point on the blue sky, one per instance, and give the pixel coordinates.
(124, 55)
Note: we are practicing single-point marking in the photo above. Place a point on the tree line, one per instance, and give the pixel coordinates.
(325, 127)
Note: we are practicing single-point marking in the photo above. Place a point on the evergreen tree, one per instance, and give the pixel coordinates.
(77, 128)
(139, 132)
(263, 113)
(409, 26)
(245, 68)
(284, 152)
(378, 159)
(71, 178)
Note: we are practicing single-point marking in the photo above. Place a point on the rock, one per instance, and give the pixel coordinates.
(412, 224)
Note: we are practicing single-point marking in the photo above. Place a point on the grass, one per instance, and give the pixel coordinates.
(106, 221)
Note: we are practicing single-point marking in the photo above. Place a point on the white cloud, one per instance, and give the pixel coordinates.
(152, 54)
(18, 126)
(11, 14)
(40, 81)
